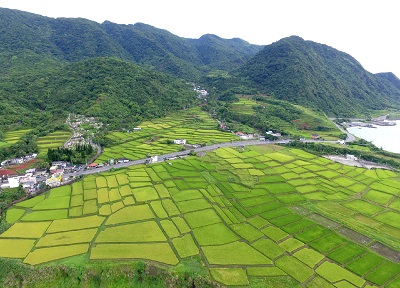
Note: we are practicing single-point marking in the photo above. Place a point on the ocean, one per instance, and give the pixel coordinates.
(385, 137)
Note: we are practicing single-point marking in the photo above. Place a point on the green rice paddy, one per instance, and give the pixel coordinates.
(52, 140)
(194, 125)
(12, 137)
(263, 214)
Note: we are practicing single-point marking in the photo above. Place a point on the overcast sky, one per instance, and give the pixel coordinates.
(367, 30)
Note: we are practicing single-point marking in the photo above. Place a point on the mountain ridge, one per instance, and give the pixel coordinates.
(76, 39)
(306, 72)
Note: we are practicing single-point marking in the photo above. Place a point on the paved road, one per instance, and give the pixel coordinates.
(181, 153)
(350, 137)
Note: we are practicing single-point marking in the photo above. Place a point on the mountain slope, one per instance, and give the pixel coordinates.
(389, 76)
(318, 76)
(119, 92)
(73, 40)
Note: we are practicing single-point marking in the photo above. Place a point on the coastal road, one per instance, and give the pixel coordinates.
(162, 158)
(350, 137)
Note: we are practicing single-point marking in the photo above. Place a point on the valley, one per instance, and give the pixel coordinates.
(132, 157)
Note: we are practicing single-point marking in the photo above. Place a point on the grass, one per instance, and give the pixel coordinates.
(236, 253)
(334, 273)
(12, 137)
(202, 218)
(364, 263)
(294, 268)
(67, 238)
(185, 246)
(14, 214)
(363, 207)
(131, 213)
(147, 231)
(31, 202)
(43, 255)
(53, 203)
(26, 230)
(75, 224)
(193, 125)
(250, 224)
(215, 234)
(46, 215)
(160, 252)
(169, 228)
(346, 253)
(390, 218)
(52, 140)
(230, 276)
(309, 257)
(383, 273)
(15, 248)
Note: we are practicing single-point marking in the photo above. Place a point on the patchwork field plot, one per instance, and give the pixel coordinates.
(195, 126)
(12, 137)
(52, 140)
(255, 215)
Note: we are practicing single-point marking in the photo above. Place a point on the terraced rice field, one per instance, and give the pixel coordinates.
(194, 125)
(52, 140)
(12, 137)
(268, 216)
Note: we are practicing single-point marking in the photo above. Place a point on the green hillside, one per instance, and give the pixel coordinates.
(318, 76)
(118, 92)
(68, 39)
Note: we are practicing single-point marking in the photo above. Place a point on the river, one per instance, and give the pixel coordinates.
(385, 137)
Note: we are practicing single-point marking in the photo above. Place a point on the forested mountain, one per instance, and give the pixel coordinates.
(119, 92)
(72, 40)
(49, 67)
(390, 77)
(316, 75)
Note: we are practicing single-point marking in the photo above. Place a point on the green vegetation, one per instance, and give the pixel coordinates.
(156, 136)
(18, 144)
(241, 228)
(78, 155)
(317, 76)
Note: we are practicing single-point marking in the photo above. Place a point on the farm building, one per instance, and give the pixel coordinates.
(180, 141)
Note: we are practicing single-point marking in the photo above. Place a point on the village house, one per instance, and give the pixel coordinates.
(92, 165)
(315, 136)
(180, 141)
(54, 181)
(13, 181)
(351, 157)
(273, 134)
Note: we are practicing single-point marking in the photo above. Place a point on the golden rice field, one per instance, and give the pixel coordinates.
(264, 214)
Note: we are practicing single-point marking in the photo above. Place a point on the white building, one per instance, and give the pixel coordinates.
(351, 157)
(154, 159)
(180, 141)
(13, 181)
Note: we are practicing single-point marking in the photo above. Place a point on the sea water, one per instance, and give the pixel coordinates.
(385, 137)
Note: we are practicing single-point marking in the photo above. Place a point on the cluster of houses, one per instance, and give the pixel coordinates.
(35, 178)
(30, 181)
(202, 93)
(81, 135)
(20, 160)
